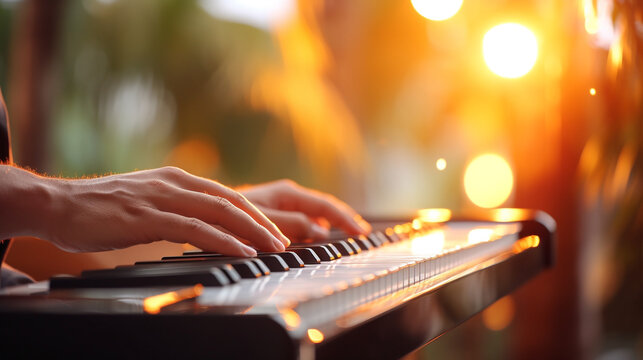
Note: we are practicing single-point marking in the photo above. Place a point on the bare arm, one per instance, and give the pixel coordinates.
(122, 210)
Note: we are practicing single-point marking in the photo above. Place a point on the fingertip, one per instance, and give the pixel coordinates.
(278, 245)
(248, 251)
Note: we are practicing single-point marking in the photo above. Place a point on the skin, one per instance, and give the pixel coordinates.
(122, 210)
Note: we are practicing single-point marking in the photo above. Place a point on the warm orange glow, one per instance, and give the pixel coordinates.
(434, 215)
(153, 304)
(488, 180)
(315, 336)
(616, 56)
(441, 164)
(197, 156)
(290, 317)
(499, 315)
(508, 214)
(429, 244)
(592, 91)
(437, 10)
(526, 243)
(324, 130)
(416, 224)
(479, 235)
(591, 19)
(510, 50)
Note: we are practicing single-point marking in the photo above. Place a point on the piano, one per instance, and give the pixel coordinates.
(380, 296)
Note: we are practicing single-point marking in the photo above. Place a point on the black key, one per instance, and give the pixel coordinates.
(261, 266)
(383, 238)
(306, 255)
(321, 251)
(292, 260)
(121, 279)
(354, 245)
(374, 240)
(195, 256)
(392, 236)
(244, 267)
(233, 273)
(344, 248)
(274, 262)
(363, 243)
(333, 250)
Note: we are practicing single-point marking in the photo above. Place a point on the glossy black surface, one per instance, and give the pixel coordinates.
(383, 330)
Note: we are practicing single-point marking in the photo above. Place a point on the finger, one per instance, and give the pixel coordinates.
(296, 225)
(188, 181)
(315, 204)
(180, 229)
(218, 210)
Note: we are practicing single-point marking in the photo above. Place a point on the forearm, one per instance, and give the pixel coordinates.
(26, 203)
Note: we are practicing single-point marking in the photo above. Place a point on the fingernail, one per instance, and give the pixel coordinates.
(319, 232)
(278, 245)
(248, 251)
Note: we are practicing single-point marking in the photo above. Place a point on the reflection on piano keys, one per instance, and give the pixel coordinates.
(379, 296)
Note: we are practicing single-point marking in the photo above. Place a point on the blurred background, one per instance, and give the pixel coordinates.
(391, 105)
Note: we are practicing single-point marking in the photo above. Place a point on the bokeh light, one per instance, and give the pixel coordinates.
(592, 91)
(441, 164)
(488, 180)
(437, 10)
(499, 315)
(510, 50)
(315, 336)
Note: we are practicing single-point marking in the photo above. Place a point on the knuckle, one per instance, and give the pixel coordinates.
(133, 209)
(287, 184)
(157, 185)
(223, 203)
(238, 197)
(194, 225)
(172, 171)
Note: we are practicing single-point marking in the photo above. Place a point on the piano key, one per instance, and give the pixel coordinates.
(119, 279)
(344, 248)
(274, 262)
(308, 256)
(193, 255)
(374, 239)
(392, 235)
(245, 268)
(232, 274)
(354, 245)
(383, 238)
(292, 259)
(261, 266)
(322, 252)
(333, 250)
(364, 243)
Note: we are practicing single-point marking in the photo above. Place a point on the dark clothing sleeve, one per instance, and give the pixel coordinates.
(7, 277)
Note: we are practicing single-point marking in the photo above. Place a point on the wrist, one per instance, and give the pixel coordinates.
(27, 203)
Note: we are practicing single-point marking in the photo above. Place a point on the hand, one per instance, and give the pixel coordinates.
(122, 210)
(303, 213)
